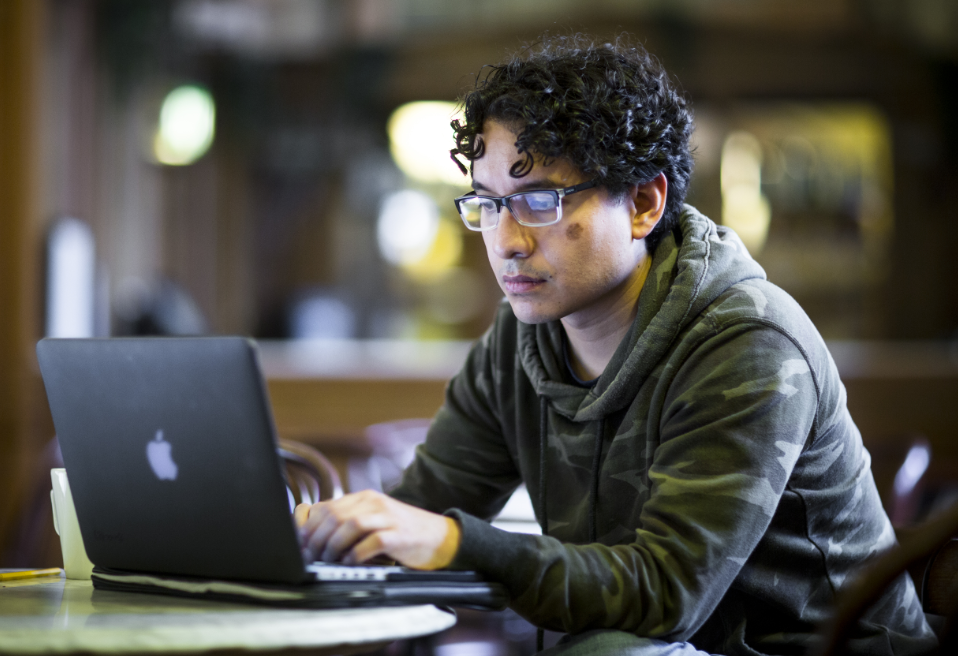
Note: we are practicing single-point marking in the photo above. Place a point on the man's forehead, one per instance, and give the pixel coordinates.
(489, 177)
(535, 180)
(501, 157)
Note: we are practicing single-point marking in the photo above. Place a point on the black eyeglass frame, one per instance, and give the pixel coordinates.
(559, 194)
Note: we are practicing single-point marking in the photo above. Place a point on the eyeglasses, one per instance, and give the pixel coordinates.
(530, 208)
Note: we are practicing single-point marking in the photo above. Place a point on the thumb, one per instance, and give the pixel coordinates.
(301, 514)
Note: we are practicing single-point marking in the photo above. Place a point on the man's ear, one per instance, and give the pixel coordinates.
(649, 202)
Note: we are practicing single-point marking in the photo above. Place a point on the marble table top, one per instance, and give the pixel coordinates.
(56, 615)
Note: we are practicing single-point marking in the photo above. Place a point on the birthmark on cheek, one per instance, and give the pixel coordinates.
(574, 231)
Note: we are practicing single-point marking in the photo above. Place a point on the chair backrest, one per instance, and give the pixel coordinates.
(392, 446)
(310, 476)
(939, 587)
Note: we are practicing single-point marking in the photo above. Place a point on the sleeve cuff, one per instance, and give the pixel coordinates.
(487, 549)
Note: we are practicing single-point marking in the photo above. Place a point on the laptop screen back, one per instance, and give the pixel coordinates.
(170, 451)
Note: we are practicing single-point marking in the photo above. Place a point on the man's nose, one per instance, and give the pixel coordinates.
(510, 239)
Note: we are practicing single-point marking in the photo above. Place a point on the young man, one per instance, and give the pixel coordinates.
(677, 419)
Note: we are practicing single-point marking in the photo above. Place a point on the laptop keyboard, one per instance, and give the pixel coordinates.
(339, 572)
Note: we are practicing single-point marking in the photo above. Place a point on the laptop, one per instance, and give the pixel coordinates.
(170, 449)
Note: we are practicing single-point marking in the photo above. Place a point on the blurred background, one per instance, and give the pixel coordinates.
(280, 169)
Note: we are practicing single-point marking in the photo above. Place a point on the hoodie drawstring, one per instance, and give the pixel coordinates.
(543, 510)
(593, 492)
(543, 443)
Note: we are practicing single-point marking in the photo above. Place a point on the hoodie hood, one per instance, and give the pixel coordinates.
(691, 267)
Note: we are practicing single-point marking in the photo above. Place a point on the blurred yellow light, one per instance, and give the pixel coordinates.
(407, 226)
(420, 138)
(187, 121)
(442, 256)
(744, 208)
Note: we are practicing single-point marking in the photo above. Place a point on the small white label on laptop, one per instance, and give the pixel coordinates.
(337, 572)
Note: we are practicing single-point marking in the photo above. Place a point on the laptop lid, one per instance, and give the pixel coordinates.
(170, 450)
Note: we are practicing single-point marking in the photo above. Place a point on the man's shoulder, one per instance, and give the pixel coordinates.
(763, 305)
(761, 302)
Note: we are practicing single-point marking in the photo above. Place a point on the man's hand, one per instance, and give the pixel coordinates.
(361, 526)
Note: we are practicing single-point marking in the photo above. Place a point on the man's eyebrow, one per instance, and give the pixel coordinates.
(538, 183)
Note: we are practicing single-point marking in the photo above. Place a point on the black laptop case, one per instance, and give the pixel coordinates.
(474, 593)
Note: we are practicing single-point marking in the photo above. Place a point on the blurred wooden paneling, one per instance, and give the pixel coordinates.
(21, 30)
(900, 390)
(886, 409)
(892, 413)
(333, 413)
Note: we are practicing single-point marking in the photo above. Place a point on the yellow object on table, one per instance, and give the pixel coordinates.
(12, 574)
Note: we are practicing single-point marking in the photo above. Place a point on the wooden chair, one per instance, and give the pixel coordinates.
(913, 482)
(939, 585)
(391, 446)
(310, 476)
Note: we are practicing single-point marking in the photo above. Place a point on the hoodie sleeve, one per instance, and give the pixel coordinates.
(464, 462)
(732, 421)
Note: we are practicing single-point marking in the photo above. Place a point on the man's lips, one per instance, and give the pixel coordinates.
(520, 284)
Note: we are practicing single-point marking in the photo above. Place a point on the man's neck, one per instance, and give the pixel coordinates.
(593, 340)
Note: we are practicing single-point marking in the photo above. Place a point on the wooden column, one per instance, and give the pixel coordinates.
(21, 32)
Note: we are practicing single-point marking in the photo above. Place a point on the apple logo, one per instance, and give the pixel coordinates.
(158, 452)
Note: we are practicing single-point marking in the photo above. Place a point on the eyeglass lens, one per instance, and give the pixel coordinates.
(534, 208)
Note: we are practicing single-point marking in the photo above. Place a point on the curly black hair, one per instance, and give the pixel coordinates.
(608, 108)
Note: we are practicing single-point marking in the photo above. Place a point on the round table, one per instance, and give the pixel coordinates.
(56, 615)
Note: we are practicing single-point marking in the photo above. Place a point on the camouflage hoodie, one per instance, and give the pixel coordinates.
(711, 487)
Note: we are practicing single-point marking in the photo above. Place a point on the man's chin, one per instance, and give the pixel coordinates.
(532, 313)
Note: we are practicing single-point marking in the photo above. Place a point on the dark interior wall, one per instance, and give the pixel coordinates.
(923, 289)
